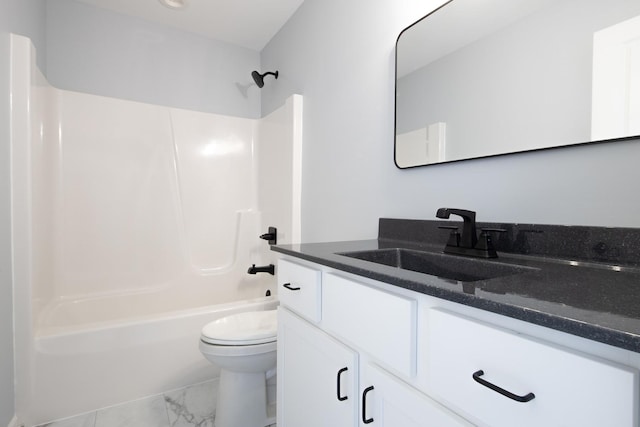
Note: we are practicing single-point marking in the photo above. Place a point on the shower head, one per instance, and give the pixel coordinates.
(259, 78)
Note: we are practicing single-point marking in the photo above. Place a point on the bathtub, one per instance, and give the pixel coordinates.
(187, 294)
(106, 363)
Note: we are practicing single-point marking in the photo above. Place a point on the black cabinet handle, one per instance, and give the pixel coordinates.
(341, 398)
(364, 406)
(291, 288)
(527, 397)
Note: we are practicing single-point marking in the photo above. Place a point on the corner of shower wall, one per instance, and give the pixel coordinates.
(279, 171)
(45, 175)
(32, 183)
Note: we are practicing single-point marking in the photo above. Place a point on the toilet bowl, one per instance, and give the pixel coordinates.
(243, 345)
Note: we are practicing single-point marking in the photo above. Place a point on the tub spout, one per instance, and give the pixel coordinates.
(271, 269)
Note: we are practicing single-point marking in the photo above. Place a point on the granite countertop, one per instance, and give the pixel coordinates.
(598, 301)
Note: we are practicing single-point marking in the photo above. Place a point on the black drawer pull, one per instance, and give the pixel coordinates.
(341, 398)
(291, 288)
(364, 406)
(527, 397)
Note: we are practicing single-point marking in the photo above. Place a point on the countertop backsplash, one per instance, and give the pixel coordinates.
(610, 245)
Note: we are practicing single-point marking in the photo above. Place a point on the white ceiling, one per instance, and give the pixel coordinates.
(247, 23)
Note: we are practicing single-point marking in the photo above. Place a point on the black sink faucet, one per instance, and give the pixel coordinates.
(469, 239)
(468, 243)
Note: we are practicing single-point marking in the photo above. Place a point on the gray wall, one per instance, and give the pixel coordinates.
(28, 18)
(97, 51)
(340, 56)
(24, 17)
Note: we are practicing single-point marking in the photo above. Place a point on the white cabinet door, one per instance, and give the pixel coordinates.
(317, 376)
(388, 402)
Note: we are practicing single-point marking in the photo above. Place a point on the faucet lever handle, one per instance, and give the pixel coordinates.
(271, 236)
(485, 243)
(489, 230)
(454, 236)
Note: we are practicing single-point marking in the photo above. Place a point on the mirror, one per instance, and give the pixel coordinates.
(478, 78)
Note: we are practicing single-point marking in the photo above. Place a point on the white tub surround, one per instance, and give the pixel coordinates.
(133, 226)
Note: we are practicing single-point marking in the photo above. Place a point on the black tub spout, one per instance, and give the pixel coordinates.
(271, 269)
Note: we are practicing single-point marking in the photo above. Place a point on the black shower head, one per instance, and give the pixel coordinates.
(259, 78)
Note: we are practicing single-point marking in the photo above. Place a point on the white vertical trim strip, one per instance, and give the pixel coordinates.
(296, 221)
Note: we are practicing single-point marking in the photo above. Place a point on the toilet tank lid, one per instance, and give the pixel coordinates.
(247, 326)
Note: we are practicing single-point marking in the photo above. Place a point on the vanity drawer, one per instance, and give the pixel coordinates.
(299, 289)
(555, 386)
(378, 322)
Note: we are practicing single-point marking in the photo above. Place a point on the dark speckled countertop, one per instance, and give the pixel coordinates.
(589, 288)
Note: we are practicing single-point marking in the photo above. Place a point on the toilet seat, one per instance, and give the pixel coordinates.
(232, 351)
(242, 329)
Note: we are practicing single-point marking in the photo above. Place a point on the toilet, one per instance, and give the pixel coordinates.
(243, 345)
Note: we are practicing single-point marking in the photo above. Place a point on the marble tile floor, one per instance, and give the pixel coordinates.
(193, 406)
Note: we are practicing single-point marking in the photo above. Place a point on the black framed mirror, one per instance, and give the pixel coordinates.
(479, 78)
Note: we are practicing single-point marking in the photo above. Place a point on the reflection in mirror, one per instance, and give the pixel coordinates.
(479, 78)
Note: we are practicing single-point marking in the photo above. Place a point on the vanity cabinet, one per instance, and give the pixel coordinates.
(320, 382)
(360, 352)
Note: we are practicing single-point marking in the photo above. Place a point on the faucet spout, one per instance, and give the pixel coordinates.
(271, 269)
(469, 237)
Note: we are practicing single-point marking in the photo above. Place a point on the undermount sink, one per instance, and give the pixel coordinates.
(450, 267)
